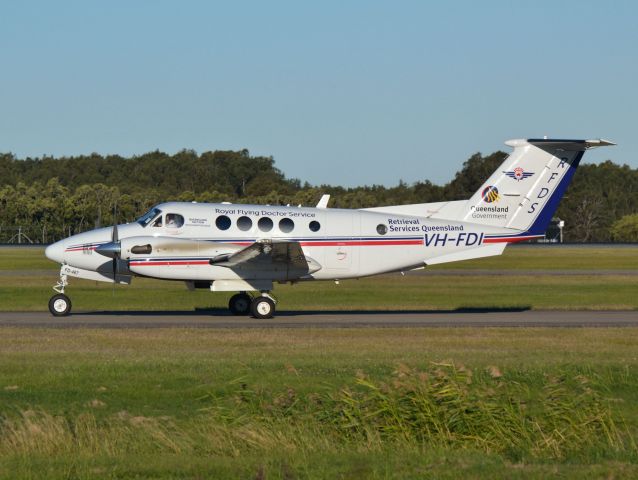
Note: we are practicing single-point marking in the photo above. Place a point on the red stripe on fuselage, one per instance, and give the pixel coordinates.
(156, 263)
(359, 243)
(312, 243)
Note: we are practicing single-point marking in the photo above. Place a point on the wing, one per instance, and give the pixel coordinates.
(267, 255)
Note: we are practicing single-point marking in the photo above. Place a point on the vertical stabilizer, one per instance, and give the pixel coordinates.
(524, 192)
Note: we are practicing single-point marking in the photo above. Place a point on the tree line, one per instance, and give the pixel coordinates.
(51, 198)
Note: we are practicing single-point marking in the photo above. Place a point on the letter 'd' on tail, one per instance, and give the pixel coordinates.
(524, 192)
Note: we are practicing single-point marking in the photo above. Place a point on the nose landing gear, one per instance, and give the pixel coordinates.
(60, 304)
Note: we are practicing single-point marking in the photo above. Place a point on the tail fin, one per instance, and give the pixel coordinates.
(524, 192)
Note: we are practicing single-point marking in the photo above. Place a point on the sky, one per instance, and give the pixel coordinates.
(338, 92)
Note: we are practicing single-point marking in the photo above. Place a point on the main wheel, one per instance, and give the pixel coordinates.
(262, 307)
(239, 304)
(60, 305)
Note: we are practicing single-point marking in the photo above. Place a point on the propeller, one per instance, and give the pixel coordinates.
(112, 249)
(115, 239)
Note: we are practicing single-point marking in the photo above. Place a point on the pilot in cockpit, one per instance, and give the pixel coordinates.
(174, 220)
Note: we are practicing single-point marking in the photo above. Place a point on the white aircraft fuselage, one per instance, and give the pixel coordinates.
(347, 243)
(233, 247)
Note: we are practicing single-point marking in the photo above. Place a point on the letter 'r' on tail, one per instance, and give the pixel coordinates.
(524, 192)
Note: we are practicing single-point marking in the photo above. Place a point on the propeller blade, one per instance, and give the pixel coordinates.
(117, 250)
(112, 249)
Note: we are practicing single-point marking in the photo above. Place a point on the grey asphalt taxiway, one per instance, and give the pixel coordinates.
(317, 319)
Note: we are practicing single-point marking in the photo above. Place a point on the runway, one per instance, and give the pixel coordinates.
(219, 319)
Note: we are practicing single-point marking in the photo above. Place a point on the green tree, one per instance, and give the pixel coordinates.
(625, 229)
(50, 197)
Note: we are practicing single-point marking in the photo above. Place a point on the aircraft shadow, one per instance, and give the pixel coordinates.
(295, 313)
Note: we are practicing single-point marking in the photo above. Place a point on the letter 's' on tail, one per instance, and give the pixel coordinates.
(524, 192)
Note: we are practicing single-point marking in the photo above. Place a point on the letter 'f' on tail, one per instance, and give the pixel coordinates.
(523, 194)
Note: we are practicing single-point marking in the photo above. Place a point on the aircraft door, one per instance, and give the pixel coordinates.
(312, 233)
(342, 250)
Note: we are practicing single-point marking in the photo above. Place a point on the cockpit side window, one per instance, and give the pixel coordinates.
(158, 223)
(145, 219)
(174, 220)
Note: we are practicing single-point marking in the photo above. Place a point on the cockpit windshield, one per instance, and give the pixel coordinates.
(148, 216)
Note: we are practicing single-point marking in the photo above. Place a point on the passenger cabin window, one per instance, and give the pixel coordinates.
(382, 229)
(314, 226)
(265, 224)
(223, 222)
(174, 220)
(244, 224)
(286, 225)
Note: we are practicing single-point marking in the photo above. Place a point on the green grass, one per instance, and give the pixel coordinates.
(25, 258)
(607, 292)
(549, 257)
(22, 290)
(554, 257)
(355, 403)
(329, 403)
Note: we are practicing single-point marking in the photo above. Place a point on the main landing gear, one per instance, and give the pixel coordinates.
(261, 306)
(60, 304)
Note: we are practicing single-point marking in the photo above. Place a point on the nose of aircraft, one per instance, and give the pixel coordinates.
(55, 251)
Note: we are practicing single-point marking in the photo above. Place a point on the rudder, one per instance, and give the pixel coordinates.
(523, 194)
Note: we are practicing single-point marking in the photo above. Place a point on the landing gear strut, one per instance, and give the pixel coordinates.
(60, 304)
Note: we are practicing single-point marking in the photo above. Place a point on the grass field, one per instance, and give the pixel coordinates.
(498, 403)
(26, 277)
(327, 403)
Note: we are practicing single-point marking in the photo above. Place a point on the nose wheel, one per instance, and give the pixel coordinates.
(60, 305)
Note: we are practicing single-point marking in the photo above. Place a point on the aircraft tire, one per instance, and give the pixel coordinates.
(239, 304)
(60, 305)
(262, 307)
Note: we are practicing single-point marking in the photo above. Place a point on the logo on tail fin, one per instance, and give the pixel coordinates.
(490, 194)
(518, 174)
